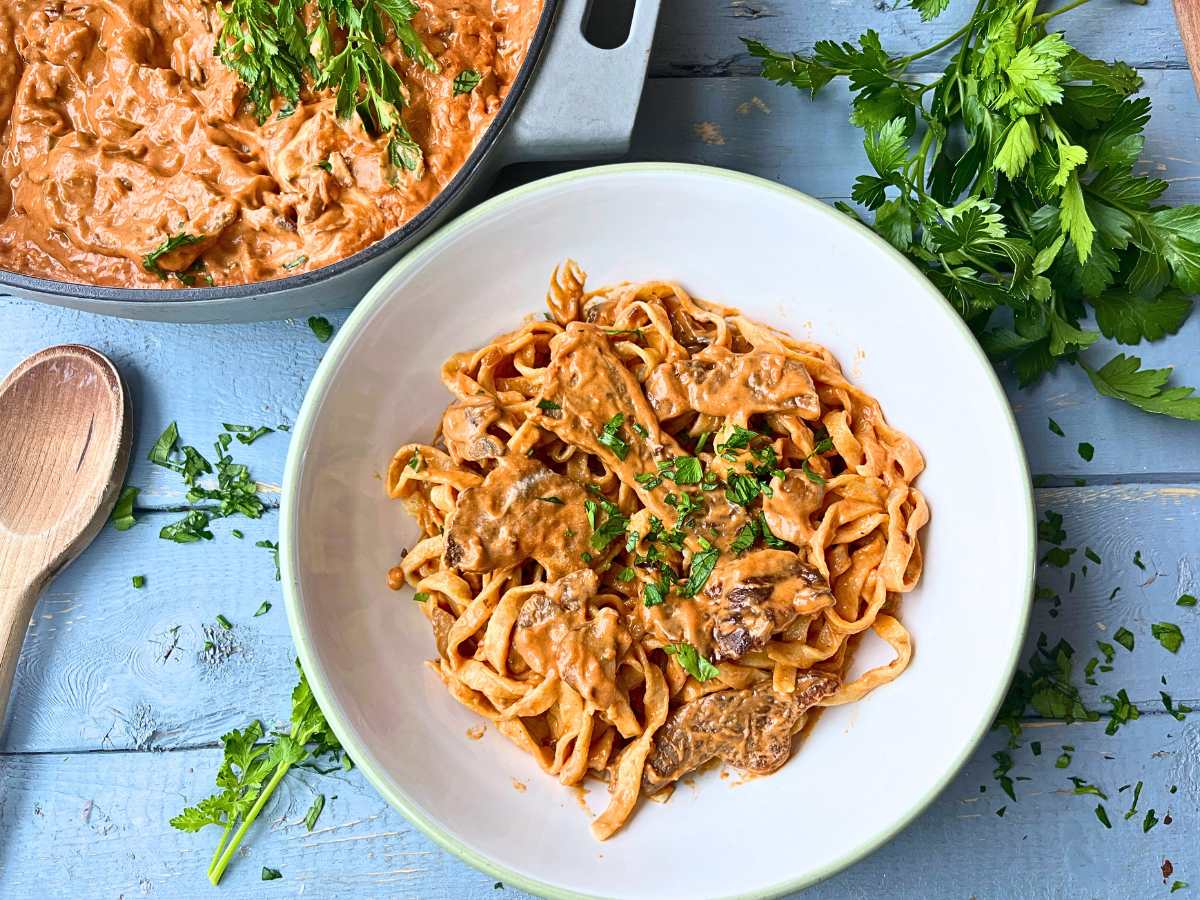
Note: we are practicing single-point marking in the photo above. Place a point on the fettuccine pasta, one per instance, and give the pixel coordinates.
(653, 532)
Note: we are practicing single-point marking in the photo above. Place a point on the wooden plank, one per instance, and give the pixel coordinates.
(101, 819)
(702, 39)
(197, 375)
(205, 375)
(102, 667)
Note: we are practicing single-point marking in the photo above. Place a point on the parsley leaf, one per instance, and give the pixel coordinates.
(701, 567)
(1123, 378)
(152, 261)
(610, 437)
(250, 772)
(320, 327)
(466, 81)
(691, 660)
(122, 517)
(1167, 634)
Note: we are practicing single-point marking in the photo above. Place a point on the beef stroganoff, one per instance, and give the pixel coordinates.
(653, 533)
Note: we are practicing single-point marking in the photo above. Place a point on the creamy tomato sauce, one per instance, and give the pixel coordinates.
(121, 129)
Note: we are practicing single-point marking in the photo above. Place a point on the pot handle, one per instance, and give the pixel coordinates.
(582, 101)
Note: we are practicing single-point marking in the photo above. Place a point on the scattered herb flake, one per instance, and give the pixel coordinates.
(1186, 600)
(321, 328)
(1124, 637)
(1086, 450)
(1102, 815)
(122, 515)
(1167, 634)
(466, 81)
(263, 609)
(1056, 428)
(270, 874)
(314, 812)
(139, 581)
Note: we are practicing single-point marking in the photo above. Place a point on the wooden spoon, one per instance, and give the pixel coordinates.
(64, 446)
(1187, 14)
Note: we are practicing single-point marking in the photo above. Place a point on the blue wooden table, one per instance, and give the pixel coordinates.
(121, 694)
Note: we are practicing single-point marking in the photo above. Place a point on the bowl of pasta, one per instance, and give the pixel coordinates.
(655, 530)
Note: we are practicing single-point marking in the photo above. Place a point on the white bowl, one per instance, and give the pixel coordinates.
(866, 769)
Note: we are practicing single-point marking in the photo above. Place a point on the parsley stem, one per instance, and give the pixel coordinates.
(215, 875)
(912, 57)
(220, 846)
(1047, 16)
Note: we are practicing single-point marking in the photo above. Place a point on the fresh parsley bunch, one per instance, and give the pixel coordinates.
(252, 769)
(1020, 194)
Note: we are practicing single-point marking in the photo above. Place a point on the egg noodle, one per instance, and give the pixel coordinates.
(653, 532)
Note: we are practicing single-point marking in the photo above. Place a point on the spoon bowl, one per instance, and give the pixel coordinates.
(64, 447)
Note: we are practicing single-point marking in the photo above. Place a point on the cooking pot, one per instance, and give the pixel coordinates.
(570, 100)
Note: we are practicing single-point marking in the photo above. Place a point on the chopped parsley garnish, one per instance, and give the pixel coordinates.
(610, 437)
(1050, 528)
(466, 81)
(1064, 758)
(1056, 428)
(701, 567)
(1150, 821)
(421, 596)
(1102, 815)
(626, 574)
(1092, 555)
(1122, 712)
(1177, 712)
(269, 874)
(1047, 687)
(1124, 637)
(1004, 765)
(139, 581)
(160, 453)
(122, 515)
(548, 406)
(632, 541)
(295, 263)
(246, 434)
(321, 328)
(741, 489)
(274, 548)
(191, 528)
(556, 501)
(691, 660)
(1167, 634)
(1082, 787)
(684, 470)
(1177, 886)
(1137, 792)
(1086, 450)
(1186, 600)
(237, 534)
(745, 538)
(639, 430)
(589, 507)
(263, 609)
(701, 441)
(738, 439)
(150, 262)
(655, 592)
(224, 622)
(813, 476)
(314, 812)
(1137, 560)
(610, 529)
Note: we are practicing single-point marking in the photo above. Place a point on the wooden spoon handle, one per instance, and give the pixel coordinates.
(16, 607)
(1187, 14)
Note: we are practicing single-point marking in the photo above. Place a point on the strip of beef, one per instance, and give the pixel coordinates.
(555, 634)
(733, 386)
(752, 597)
(750, 730)
(794, 498)
(516, 515)
(590, 385)
(466, 428)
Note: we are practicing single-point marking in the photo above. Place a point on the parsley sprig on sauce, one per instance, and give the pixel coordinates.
(272, 48)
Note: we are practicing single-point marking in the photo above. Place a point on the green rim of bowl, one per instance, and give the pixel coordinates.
(314, 398)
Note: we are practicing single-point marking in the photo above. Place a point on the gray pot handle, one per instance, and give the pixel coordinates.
(582, 101)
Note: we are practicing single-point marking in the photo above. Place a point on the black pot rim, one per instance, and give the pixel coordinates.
(48, 287)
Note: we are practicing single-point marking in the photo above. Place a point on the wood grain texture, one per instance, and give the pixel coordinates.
(703, 39)
(100, 819)
(99, 670)
(1187, 14)
(110, 667)
(64, 448)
